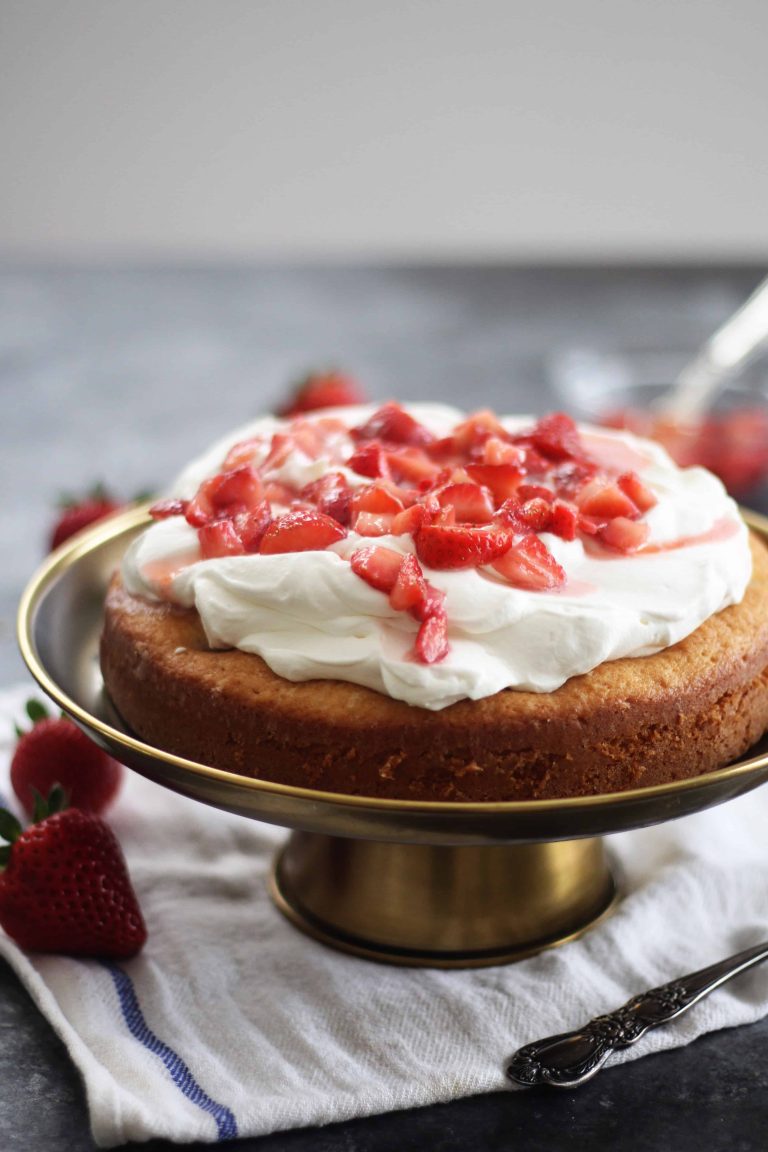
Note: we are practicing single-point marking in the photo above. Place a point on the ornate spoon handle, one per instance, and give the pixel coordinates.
(572, 1058)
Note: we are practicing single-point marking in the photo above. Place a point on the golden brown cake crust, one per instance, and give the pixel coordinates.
(630, 723)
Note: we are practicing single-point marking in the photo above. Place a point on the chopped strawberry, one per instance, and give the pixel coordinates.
(394, 425)
(411, 465)
(536, 514)
(224, 495)
(496, 451)
(301, 531)
(638, 492)
(369, 460)
(410, 588)
(605, 500)
(243, 452)
(379, 567)
(557, 437)
(565, 519)
(219, 538)
(324, 390)
(432, 639)
(373, 523)
(278, 493)
(164, 509)
(331, 495)
(473, 433)
(432, 604)
(280, 448)
(534, 492)
(472, 503)
(530, 565)
(409, 520)
(590, 525)
(624, 535)
(446, 515)
(375, 498)
(570, 477)
(503, 479)
(461, 546)
(251, 525)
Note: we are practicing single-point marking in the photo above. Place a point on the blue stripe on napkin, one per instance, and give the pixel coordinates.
(180, 1073)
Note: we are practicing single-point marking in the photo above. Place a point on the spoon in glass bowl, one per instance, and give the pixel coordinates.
(732, 346)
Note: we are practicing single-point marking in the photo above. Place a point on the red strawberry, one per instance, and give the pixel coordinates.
(472, 503)
(624, 535)
(432, 639)
(370, 460)
(604, 500)
(411, 464)
(78, 514)
(56, 751)
(410, 588)
(409, 520)
(65, 887)
(225, 494)
(301, 531)
(375, 498)
(529, 564)
(502, 479)
(565, 519)
(378, 566)
(373, 523)
(638, 492)
(557, 437)
(164, 509)
(393, 424)
(324, 390)
(220, 538)
(460, 546)
(331, 495)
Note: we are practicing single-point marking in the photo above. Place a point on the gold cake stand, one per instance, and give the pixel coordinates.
(437, 884)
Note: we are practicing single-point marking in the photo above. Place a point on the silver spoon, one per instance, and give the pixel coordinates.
(733, 344)
(570, 1059)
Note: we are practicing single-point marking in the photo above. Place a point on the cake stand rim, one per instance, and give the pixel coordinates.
(106, 531)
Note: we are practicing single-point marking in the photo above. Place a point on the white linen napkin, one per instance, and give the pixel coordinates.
(232, 1023)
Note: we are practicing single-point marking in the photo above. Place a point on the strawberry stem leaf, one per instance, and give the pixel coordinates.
(57, 800)
(10, 829)
(40, 810)
(36, 711)
(5, 855)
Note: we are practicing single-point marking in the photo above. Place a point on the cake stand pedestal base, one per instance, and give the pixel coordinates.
(422, 905)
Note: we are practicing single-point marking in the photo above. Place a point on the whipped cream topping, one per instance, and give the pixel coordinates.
(309, 616)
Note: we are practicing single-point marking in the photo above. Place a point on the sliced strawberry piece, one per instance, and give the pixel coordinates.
(530, 565)
(409, 520)
(324, 390)
(301, 531)
(460, 546)
(278, 493)
(496, 451)
(373, 523)
(219, 538)
(378, 566)
(280, 448)
(473, 433)
(224, 495)
(331, 495)
(432, 604)
(243, 452)
(565, 519)
(502, 479)
(603, 499)
(639, 493)
(569, 478)
(369, 460)
(375, 498)
(472, 503)
(590, 525)
(251, 526)
(163, 509)
(624, 535)
(410, 588)
(536, 514)
(411, 465)
(432, 639)
(557, 437)
(394, 425)
(446, 515)
(534, 492)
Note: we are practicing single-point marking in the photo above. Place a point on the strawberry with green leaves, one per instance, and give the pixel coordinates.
(77, 513)
(56, 751)
(64, 885)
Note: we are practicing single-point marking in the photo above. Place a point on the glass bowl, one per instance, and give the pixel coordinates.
(625, 391)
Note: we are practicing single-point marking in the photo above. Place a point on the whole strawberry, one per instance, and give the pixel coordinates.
(79, 513)
(65, 886)
(56, 751)
(323, 390)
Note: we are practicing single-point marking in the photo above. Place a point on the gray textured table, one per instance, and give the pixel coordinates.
(121, 375)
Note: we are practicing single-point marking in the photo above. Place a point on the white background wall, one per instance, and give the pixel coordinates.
(437, 128)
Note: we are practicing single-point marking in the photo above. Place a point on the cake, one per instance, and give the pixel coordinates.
(411, 603)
